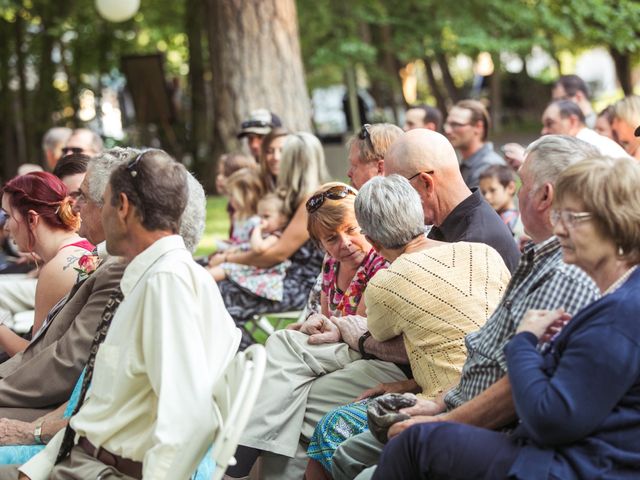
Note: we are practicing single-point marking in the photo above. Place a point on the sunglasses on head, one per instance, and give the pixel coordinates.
(334, 193)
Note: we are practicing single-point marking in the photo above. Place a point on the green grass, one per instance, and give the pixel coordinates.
(217, 225)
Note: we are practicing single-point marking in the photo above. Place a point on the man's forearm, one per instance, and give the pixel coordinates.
(390, 351)
(492, 409)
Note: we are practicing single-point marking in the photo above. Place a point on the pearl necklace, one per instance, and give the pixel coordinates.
(618, 283)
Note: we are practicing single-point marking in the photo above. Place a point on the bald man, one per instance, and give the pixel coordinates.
(429, 162)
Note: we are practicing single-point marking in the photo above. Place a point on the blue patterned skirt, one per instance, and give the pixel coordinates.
(334, 428)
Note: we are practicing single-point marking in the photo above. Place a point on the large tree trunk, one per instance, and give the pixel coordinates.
(9, 157)
(447, 79)
(622, 62)
(436, 91)
(256, 63)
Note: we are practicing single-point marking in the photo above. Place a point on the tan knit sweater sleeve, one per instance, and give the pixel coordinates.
(434, 298)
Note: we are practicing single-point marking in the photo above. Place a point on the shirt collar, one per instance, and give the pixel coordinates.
(537, 251)
(102, 250)
(454, 225)
(478, 156)
(144, 260)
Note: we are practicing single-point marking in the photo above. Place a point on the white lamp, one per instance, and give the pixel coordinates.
(117, 10)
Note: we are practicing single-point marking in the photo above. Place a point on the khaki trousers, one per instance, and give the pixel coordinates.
(81, 466)
(302, 383)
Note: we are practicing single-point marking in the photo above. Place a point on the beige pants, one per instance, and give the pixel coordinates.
(303, 382)
(81, 466)
(17, 294)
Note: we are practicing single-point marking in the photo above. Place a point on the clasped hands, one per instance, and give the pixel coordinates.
(321, 329)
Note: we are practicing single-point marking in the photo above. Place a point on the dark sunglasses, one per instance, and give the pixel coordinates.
(334, 193)
(69, 150)
(255, 123)
(364, 132)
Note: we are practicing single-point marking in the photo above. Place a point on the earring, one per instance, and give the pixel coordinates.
(620, 252)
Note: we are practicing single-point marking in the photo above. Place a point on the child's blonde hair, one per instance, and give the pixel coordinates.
(245, 189)
(276, 201)
(233, 161)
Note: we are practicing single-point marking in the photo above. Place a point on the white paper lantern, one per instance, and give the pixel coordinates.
(117, 10)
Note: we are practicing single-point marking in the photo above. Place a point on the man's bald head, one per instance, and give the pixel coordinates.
(421, 150)
(430, 162)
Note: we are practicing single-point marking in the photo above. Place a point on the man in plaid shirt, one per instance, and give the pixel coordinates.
(542, 281)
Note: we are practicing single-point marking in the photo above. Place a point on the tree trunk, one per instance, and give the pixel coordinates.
(441, 101)
(45, 95)
(622, 62)
(256, 63)
(9, 157)
(447, 79)
(198, 133)
(20, 107)
(495, 90)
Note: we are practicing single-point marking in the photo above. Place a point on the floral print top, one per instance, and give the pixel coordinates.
(346, 302)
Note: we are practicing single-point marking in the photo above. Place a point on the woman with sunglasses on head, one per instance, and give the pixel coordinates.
(301, 171)
(42, 222)
(577, 401)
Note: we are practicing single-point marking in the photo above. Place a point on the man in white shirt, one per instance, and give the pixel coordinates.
(564, 117)
(148, 412)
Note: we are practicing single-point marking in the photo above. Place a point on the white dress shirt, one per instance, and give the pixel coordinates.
(151, 394)
(605, 145)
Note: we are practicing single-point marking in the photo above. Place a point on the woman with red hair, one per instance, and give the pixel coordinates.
(41, 220)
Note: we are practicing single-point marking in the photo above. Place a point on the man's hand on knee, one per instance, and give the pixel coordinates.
(424, 407)
(398, 428)
(329, 333)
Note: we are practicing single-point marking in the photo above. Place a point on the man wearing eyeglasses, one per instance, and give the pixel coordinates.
(259, 124)
(542, 281)
(467, 128)
(85, 141)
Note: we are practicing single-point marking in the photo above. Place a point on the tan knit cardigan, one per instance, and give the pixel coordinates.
(434, 298)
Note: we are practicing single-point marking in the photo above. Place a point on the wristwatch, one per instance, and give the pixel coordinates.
(365, 355)
(37, 432)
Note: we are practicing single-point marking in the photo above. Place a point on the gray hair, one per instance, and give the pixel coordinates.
(102, 165)
(55, 137)
(193, 219)
(389, 211)
(550, 155)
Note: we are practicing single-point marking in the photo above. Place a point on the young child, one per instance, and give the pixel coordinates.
(228, 164)
(498, 186)
(264, 282)
(244, 189)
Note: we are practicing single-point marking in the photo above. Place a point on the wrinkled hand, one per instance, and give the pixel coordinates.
(352, 327)
(538, 321)
(402, 386)
(398, 428)
(216, 259)
(329, 333)
(553, 329)
(423, 407)
(514, 154)
(15, 432)
(311, 325)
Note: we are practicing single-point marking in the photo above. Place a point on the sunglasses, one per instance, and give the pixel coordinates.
(254, 124)
(334, 193)
(69, 150)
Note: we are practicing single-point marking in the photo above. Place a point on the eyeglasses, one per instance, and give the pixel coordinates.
(365, 133)
(430, 172)
(70, 150)
(569, 219)
(334, 193)
(456, 124)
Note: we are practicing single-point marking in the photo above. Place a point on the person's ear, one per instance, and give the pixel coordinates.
(427, 180)
(32, 218)
(546, 197)
(381, 167)
(124, 207)
(511, 188)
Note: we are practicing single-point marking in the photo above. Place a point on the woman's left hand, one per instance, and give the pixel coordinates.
(216, 259)
(540, 322)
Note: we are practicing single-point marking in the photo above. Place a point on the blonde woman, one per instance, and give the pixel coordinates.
(301, 171)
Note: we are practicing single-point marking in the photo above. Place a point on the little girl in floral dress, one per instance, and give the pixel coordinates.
(264, 282)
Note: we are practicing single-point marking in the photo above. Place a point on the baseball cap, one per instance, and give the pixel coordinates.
(260, 122)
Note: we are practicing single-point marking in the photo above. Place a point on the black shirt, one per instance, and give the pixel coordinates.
(473, 220)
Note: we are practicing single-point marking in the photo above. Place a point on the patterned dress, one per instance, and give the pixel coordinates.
(242, 304)
(346, 302)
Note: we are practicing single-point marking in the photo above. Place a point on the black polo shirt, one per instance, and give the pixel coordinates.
(473, 220)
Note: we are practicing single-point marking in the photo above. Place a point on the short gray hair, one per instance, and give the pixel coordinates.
(389, 211)
(552, 154)
(193, 219)
(54, 137)
(100, 168)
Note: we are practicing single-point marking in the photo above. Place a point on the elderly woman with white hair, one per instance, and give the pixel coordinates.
(433, 294)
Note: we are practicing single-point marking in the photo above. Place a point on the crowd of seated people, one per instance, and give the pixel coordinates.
(467, 315)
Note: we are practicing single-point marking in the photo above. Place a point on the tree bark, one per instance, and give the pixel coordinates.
(20, 106)
(622, 62)
(495, 89)
(441, 101)
(9, 158)
(447, 79)
(256, 63)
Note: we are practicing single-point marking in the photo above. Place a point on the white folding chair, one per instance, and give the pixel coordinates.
(234, 395)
